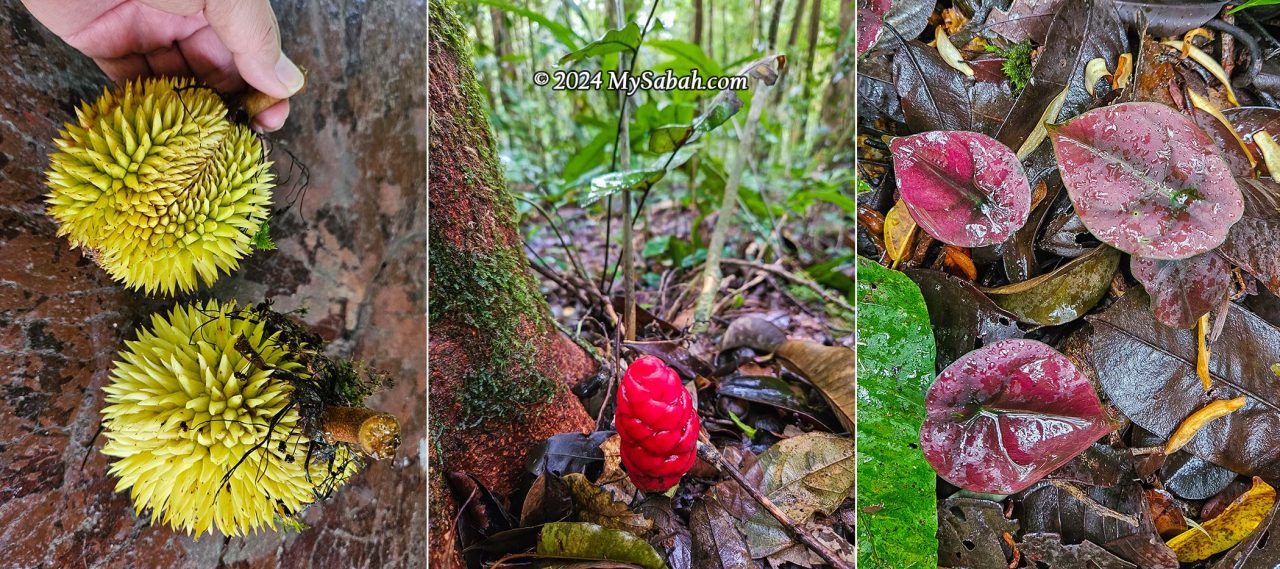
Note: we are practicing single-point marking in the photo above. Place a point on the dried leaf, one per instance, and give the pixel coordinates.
(597, 505)
(802, 476)
(1234, 524)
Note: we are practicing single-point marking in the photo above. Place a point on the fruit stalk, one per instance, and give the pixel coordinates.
(377, 434)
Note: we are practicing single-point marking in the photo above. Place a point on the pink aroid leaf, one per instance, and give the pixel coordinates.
(870, 16)
(1004, 416)
(962, 188)
(1183, 290)
(1146, 180)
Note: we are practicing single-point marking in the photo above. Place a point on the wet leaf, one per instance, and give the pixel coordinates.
(717, 543)
(1047, 508)
(908, 17)
(585, 541)
(969, 532)
(675, 355)
(613, 41)
(1240, 519)
(1148, 371)
(1259, 550)
(568, 452)
(1183, 290)
(1081, 31)
(597, 506)
(1063, 295)
(669, 536)
(1004, 416)
(870, 14)
(935, 96)
(769, 390)
(962, 188)
(1167, 18)
(1047, 550)
(897, 519)
(1191, 478)
(802, 475)
(1146, 180)
(1065, 234)
(1251, 244)
(1025, 19)
(963, 317)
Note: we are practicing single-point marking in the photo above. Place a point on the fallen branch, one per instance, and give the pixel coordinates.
(709, 453)
(777, 270)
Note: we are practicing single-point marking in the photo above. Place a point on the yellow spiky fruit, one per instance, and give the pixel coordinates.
(159, 186)
(184, 406)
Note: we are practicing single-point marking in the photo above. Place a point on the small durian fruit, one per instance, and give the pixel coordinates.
(159, 186)
(220, 417)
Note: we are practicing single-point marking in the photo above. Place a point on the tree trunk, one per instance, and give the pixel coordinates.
(839, 97)
(499, 366)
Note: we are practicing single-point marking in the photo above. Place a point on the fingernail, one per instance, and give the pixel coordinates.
(289, 74)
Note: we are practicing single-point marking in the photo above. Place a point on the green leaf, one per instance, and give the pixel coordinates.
(613, 41)
(897, 513)
(727, 103)
(667, 138)
(562, 33)
(615, 182)
(590, 542)
(656, 246)
(746, 429)
(1253, 4)
(262, 239)
(689, 52)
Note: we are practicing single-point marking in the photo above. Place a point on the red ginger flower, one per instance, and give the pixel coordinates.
(657, 423)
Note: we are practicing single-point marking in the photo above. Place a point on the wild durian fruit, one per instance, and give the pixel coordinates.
(232, 418)
(159, 186)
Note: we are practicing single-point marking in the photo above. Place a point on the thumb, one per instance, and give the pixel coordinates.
(249, 30)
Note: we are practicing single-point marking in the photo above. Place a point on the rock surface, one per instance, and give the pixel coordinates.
(351, 250)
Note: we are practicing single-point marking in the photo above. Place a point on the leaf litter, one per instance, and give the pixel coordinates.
(1139, 284)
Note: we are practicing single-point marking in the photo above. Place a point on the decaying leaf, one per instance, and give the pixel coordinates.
(590, 542)
(597, 505)
(1221, 533)
(1063, 295)
(1196, 421)
(802, 475)
(899, 230)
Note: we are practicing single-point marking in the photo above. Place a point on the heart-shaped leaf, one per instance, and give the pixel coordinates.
(870, 16)
(1184, 290)
(1002, 417)
(962, 188)
(1146, 180)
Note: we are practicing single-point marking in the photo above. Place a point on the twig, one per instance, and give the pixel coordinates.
(1092, 504)
(777, 270)
(720, 306)
(709, 453)
(568, 251)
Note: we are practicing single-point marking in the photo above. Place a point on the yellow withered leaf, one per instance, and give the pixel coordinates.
(899, 232)
(1194, 422)
(1235, 523)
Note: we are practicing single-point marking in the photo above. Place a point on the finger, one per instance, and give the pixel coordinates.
(249, 30)
(211, 61)
(132, 28)
(272, 118)
(121, 69)
(168, 62)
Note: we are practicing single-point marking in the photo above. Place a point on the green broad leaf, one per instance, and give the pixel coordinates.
(727, 103)
(262, 239)
(656, 246)
(615, 182)
(667, 138)
(613, 41)
(562, 33)
(897, 513)
(689, 52)
(590, 542)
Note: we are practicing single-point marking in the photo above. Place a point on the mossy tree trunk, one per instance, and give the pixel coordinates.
(499, 366)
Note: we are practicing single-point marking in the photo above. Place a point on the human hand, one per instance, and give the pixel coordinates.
(228, 44)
